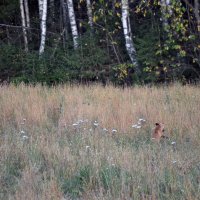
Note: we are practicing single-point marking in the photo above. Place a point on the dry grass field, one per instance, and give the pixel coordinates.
(78, 142)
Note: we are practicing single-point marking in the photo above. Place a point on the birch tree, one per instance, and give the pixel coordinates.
(27, 13)
(28, 24)
(22, 11)
(64, 17)
(40, 6)
(72, 20)
(128, 35)
(166, 12)
(89, 13)
(43, 26)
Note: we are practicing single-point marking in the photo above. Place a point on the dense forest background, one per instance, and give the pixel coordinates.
(81, 41)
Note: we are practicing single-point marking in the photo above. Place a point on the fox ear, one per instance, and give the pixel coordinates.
(156, 124)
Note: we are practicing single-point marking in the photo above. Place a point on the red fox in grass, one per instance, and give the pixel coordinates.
(158, 132)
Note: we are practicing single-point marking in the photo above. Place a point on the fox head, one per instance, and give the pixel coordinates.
(160, 126)
(158, 131)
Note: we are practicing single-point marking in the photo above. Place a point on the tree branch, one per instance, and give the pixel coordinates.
(14, 26)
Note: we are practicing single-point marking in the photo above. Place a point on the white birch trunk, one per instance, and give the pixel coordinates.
(72, 20)
(43, 27)
(27, 13)
(65, 17)
(89, 13)
(128, 35)
(24, 25)
(165, 10)
(40, 5)
(28, 24)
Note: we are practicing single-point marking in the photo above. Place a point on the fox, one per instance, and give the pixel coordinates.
(158, 132)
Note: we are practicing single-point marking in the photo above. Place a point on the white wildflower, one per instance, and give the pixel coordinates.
(134, 125)
(96, 123)
(75, 124)
(173, 143)
(22, 132)
(24, 137)
(114, 131)
(174, 161)
(142, 120)
(104, 129)
(138, 127)
(87, 147)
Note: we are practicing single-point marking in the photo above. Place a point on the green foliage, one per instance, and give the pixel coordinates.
(110, 178)
(12, 167)
(37, 158)
(147, 45)
(76, 185)
(55, 66)
(160, 48)
(163, 51)
(123, 74)
(8, 10)
(113, 177)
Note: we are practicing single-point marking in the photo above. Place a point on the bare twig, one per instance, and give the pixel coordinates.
(112, 42)
(25, 27)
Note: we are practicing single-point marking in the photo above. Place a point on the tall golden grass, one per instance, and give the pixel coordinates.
(47, 152)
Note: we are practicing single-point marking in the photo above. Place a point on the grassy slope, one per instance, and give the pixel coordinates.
(43, 156)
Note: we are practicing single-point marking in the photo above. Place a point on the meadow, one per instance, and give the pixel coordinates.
(94, 142)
